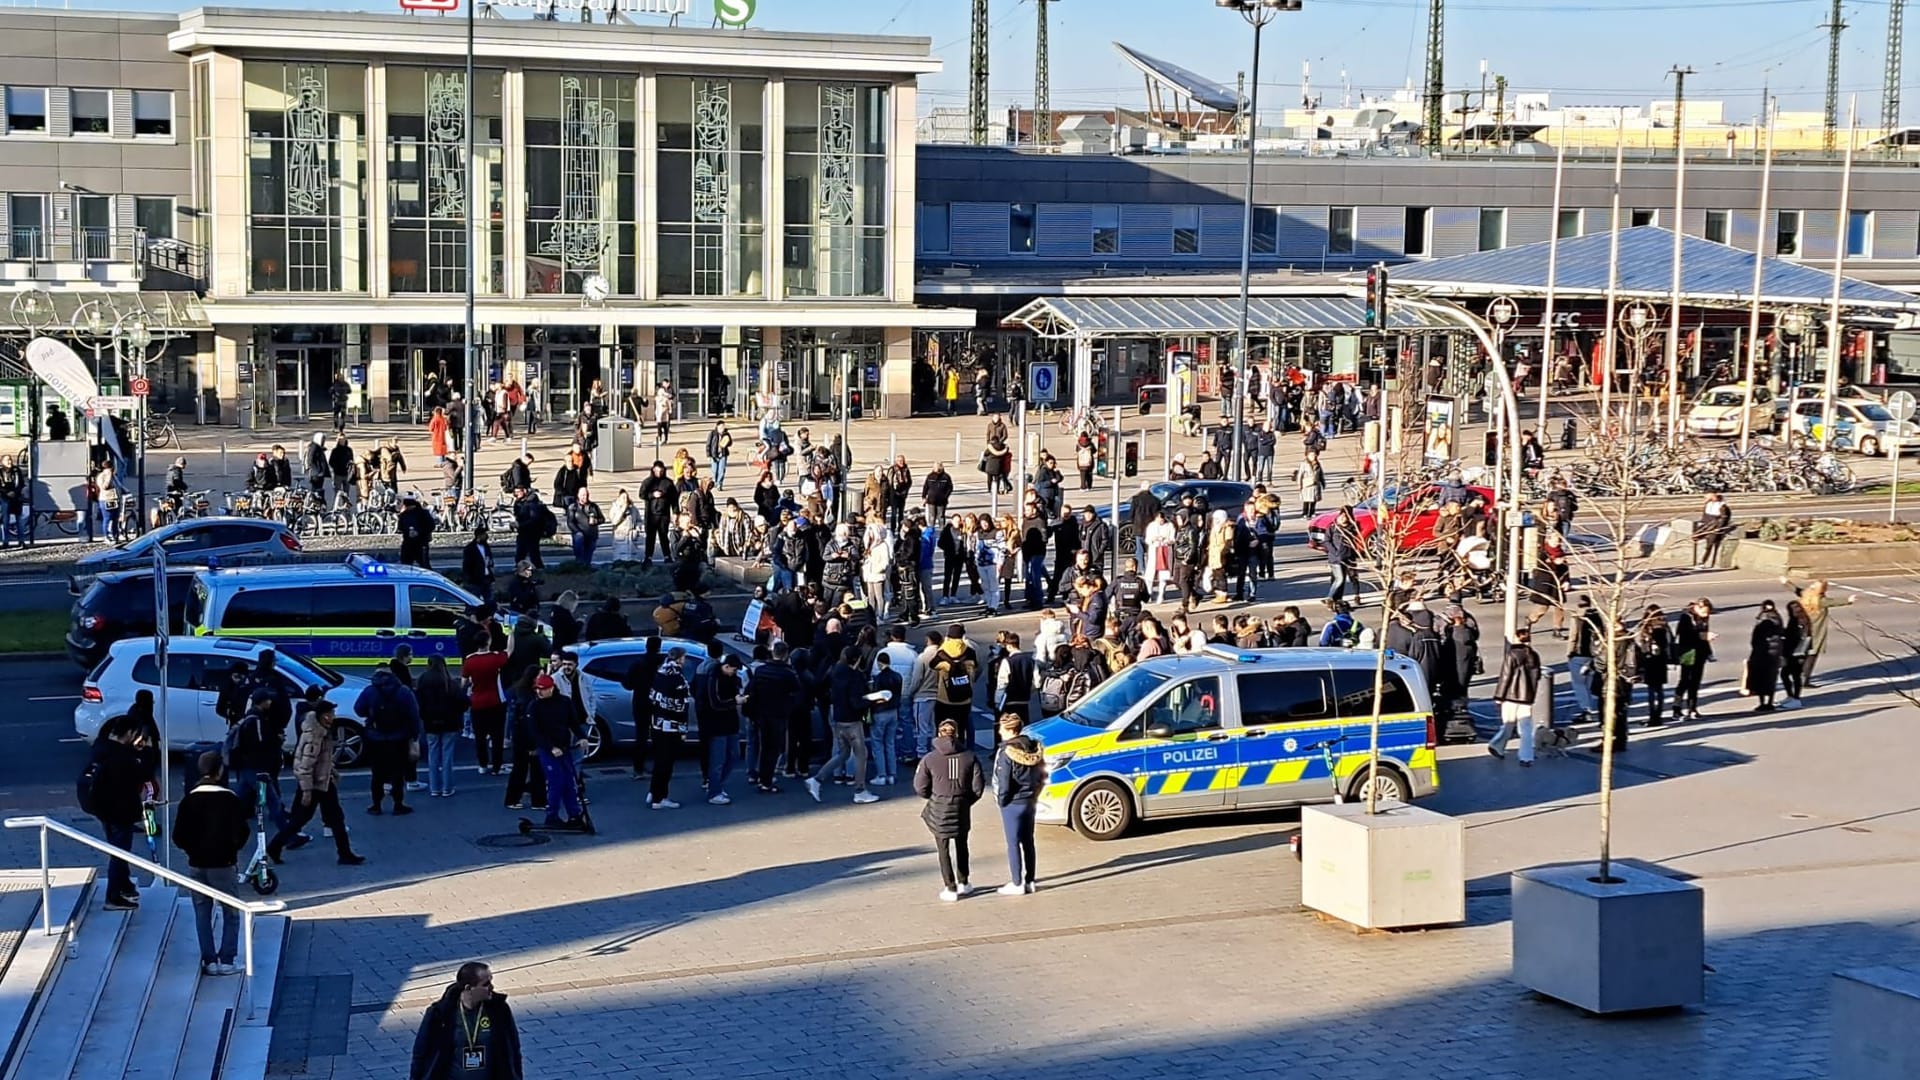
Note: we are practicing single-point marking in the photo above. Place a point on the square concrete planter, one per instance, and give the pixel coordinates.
(1630, 946)
(1876, 1024)
(1404, 866)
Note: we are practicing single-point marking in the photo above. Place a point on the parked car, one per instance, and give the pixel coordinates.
(1225, 495)
(209, 541)
(1718, 411)
(1415, 514)
(1805, 392)
(196, 669)
(120, 605)
(1860, 425)
(605, 663)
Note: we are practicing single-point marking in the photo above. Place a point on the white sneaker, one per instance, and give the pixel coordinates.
(416, 785)
(719, 800)
(965, 889)
(813, 788)
(666, 804)
(866, 797)
(948, 895)
(1012, 888)
(1033, 887)
(218, 969)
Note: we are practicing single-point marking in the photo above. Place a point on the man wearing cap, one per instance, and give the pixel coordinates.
(416, 533)
(670, 702)
(552, 726)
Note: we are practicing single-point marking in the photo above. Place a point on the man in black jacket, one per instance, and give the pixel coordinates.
(1096, 538)
(553, 719)
(1141, 510)
(775, 697)
(340, 462)
(717, 696)
(936, 491)
(847, 686)
(519, 474)
(279, 469)
(657, 500)
(112, 784)
(639, 681)
(532, 523)
(608, 622)
(468, 1033)
(1066, 545)
(211, 828)
(476, 563)
(584, 519)
(416, 533)
(314, 463)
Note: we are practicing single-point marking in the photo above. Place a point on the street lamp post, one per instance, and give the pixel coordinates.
(133, 333)
(1258, 14)
(1637, 320)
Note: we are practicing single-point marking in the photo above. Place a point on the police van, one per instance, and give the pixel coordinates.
(1235, 729)
(352, 615)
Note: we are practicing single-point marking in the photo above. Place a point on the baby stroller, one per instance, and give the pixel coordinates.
(1474, 573)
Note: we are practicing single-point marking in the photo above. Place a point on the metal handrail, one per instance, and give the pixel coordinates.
(247, 908)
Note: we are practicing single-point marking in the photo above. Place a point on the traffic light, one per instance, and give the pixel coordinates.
(1380, 297)
(1373, 296)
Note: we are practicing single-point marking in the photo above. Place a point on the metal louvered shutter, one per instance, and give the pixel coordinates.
(59, 112)
(1220, 229)
(1528, 225)
(1694, 222)
(1819, 233)
(1063, 230)
(61, 210)
(1303, 232)
(1146, 229)
(120, 114)
(1456, 230)
(6, 217)
(978, 229)
(1743, 228)
(1896, 234)
(1380, 232)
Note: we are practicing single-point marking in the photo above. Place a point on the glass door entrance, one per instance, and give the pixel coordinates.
(289, 385)
(690, 382)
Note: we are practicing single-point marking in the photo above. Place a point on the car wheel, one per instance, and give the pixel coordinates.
(1102, 811)
(1870, 447)
(1126, 537)
(599, 739)
(349, 744)
(1386, 783)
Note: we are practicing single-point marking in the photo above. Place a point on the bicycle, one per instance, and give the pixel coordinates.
(159, 430)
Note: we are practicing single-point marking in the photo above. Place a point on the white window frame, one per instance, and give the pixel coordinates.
(46, 110)
(1799, 233)
(73, 112)
(1480, 231)
(1866, 237)
(172, 117)
(1106, 219)
(1726, 226)
(1353, 230)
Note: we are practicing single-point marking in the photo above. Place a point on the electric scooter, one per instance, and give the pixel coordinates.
(1325, 746)
(259, 872)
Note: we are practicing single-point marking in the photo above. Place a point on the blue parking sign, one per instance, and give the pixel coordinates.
(1043, 383)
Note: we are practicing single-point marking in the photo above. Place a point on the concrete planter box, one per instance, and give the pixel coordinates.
(1876, 1024)
(742, 571)
(1627, 947)
(1823, 560)
(1404, 866)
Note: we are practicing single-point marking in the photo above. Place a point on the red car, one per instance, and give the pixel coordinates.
(1415, 515)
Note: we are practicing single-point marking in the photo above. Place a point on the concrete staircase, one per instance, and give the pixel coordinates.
(119, 994)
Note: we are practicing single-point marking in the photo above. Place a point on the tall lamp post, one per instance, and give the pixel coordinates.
(131, 339)
(1258, 14)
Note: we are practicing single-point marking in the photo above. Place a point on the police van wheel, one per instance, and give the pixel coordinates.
(1388, 783)
(1102, 811)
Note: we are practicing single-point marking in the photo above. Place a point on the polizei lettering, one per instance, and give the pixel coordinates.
(1193, 756)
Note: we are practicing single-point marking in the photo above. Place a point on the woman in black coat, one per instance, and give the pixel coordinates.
(951, 780)
(766, 499)
(1692, 648)
(1767, 646)
(1653, 651)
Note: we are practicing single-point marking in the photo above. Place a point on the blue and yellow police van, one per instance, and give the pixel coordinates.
(1229, 729)
(350, 615)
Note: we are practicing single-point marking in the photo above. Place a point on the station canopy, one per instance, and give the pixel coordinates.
(1174, 316)
(1710, 274)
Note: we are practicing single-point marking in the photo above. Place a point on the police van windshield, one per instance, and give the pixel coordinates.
(1112, 698)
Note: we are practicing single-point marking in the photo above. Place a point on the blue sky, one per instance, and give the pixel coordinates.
(1584, 51)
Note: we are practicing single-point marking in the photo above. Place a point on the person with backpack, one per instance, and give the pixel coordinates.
(950, 779)
(391, 715)
(315, 772)
(112, 789)
(669, 701)
(532, 523)
(849, 711)
(211, 827)
(1019, 772)
(953, 671)
(1063, 684)
(252, 754)
(1189, 555)
(1343, 631)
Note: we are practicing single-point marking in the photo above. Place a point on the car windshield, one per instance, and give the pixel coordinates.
(1724, 399)
(1875, 412)
(1372, 501)
(312, 671)
(1112, 698)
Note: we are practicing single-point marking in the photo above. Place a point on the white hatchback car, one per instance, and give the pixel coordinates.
(196, 669)
(1717, 411)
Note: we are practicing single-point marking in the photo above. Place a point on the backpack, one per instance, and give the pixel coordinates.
(85, 787)
(507, 479)
(956, 682)
(1061, 690)
(697, 619)
(389, 717)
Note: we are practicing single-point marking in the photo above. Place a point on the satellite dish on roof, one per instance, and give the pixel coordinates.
(1178, 79)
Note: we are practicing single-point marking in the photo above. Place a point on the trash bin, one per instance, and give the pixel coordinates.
(614, 451)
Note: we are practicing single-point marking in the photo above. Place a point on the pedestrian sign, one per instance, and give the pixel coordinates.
(1043, 383)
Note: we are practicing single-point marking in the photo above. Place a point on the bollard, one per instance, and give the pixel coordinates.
(223, 459)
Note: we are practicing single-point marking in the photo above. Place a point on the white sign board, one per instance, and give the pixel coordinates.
(62, 369)
(112, 402)
(1043, 383)
(750, 624)
(624, 7)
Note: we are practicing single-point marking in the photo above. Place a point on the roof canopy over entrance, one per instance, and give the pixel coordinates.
(1710, 274)
(1165, 316)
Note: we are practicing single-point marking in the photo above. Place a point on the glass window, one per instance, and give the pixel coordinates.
(1569, 225)
(153, 112)
(837, 205)
(1266, 230)
(354, 606)
(28, 220)
(1106, 230)
(936, 228)
(1186, 230)
(260, 609)
(306, 176)
(183, 672)
(1787, 239)
(1353, 694)
(154, 213)
(1859, 233)
(1418, 222)
(1190, 707)
(1020, 229)
(187, 540)
(26, 108)
(1493, 229)
(427, 183)
(1112, 698)
(1717, 226)
(92, 112)
(431, 607)
(1644, 217)
(712, 196)
(580, 163)
(1279, 697)
(1340, 230)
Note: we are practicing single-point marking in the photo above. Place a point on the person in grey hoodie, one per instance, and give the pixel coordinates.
(1018, 774)
(951, 780)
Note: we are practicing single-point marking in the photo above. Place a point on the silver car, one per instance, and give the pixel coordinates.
(604, 664)
(208, 541)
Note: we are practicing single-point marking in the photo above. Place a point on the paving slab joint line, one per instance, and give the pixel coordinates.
(881, 953)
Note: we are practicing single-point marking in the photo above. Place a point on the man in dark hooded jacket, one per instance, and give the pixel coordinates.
(391, 718)
(470, 1032)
